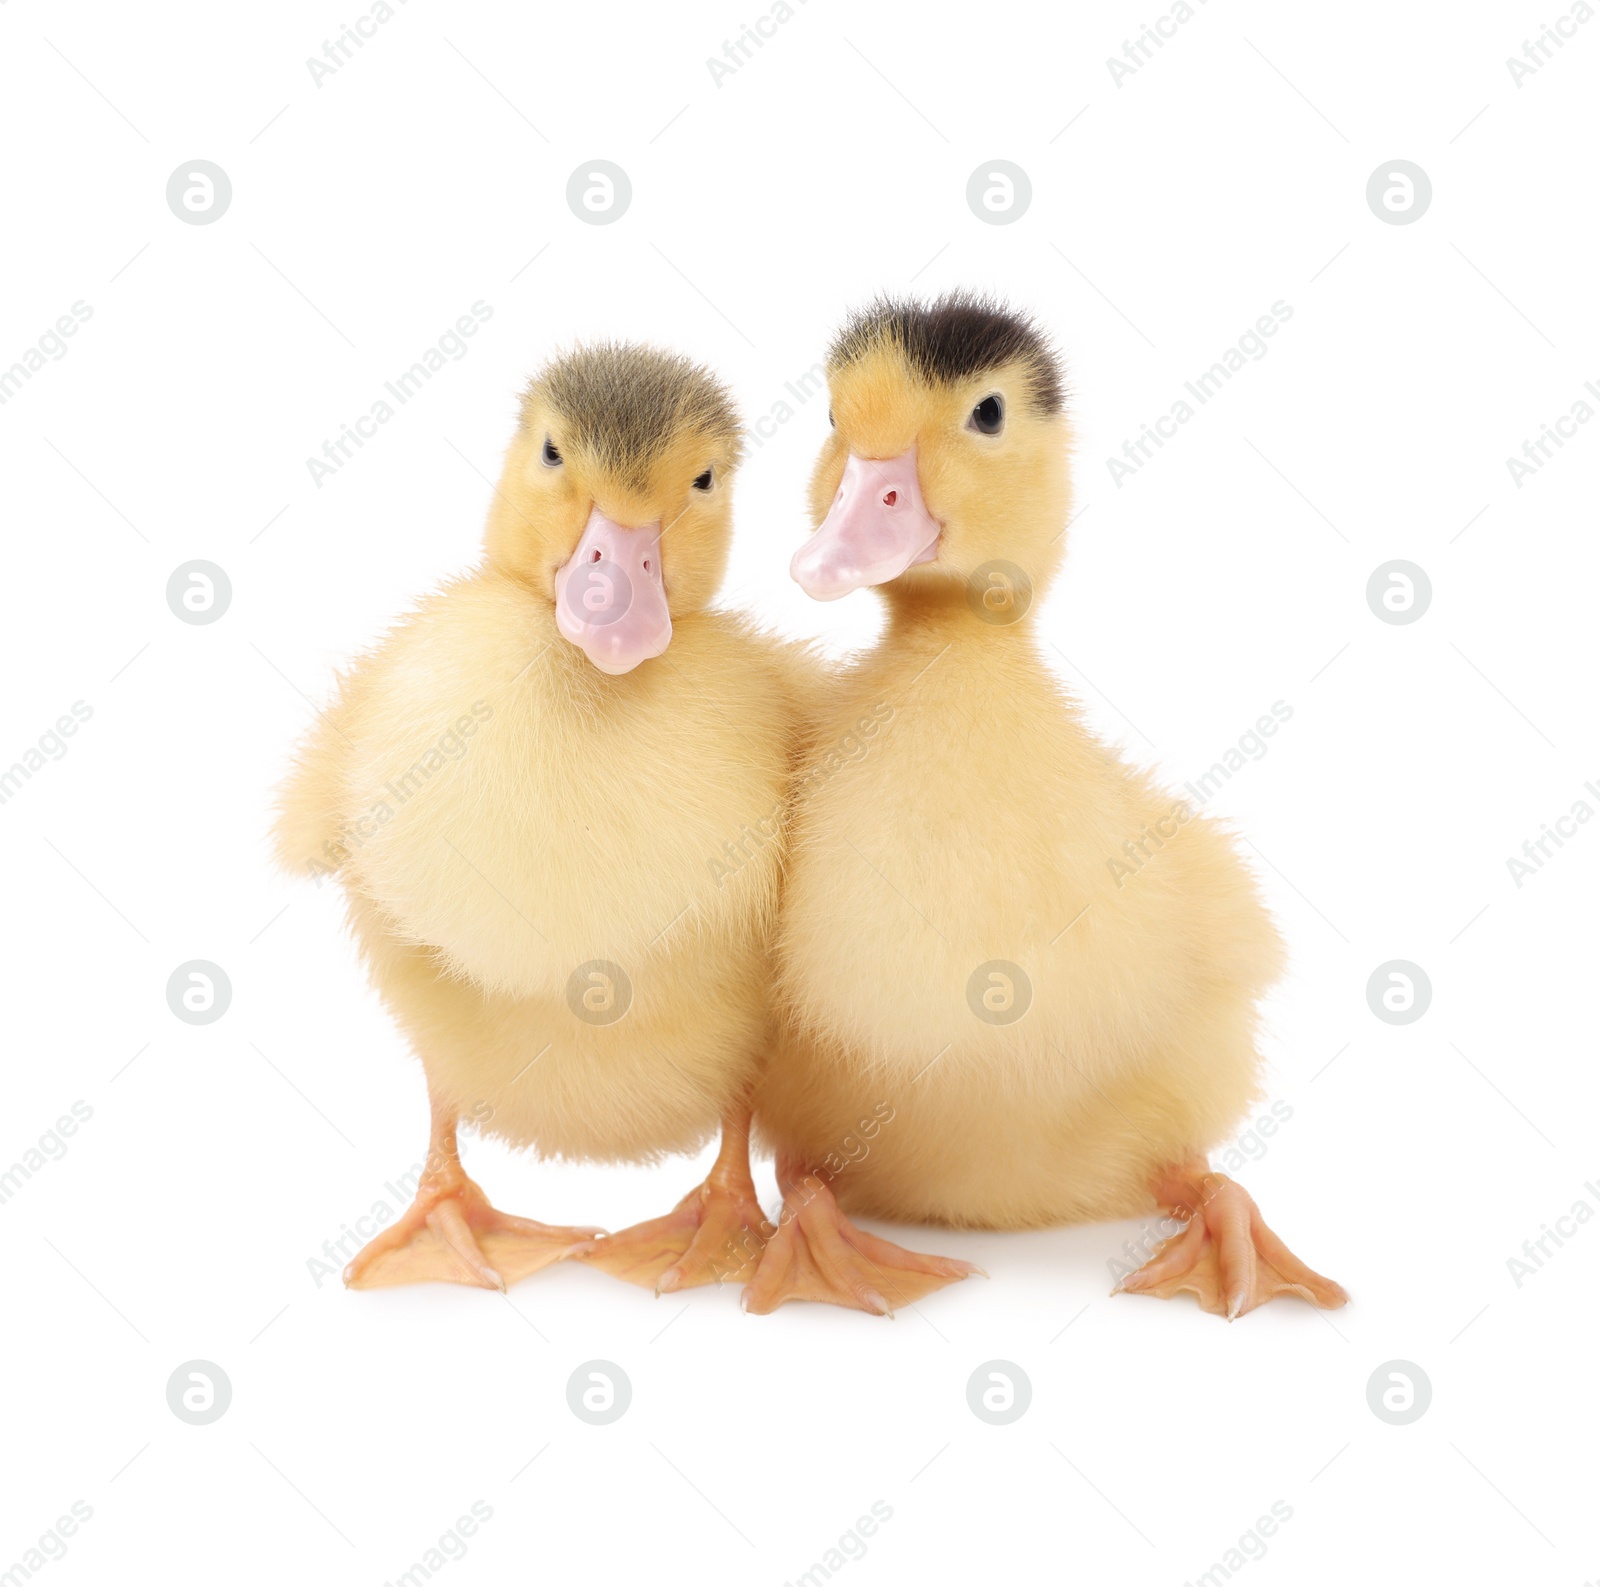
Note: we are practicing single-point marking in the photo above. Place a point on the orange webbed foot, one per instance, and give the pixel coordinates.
(452, 1234)
(1226, 1256)
(818, 1254)
(716, 1233)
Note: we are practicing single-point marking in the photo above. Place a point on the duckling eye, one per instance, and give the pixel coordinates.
(830, 418)
(704, 481)
(989, 417)
(550, 456)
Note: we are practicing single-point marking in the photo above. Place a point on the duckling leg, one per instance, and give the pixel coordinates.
(715, 1233)
(1226, 1255)
(452, 1234)
(818, 1254)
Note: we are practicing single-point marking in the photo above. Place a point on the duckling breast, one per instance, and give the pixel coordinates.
(520, 815)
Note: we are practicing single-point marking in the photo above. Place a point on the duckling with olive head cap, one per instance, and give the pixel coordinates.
(966, 959)
(526, 790)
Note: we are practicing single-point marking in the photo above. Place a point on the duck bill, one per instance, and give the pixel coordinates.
(877, 527)
(610, 601)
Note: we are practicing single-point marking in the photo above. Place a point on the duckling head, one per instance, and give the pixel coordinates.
(948, 452)
(614, 503)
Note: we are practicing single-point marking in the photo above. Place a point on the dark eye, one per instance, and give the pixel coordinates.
(989, 417)
(551, 457)
(830, 418)
(704, 481)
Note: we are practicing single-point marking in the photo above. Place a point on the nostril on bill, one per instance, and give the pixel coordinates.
(890, 497)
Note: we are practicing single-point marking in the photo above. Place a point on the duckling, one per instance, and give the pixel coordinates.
(553, 797)
(987, 1017)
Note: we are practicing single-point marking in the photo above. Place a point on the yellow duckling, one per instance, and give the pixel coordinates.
(553, 796)
(989, 1018)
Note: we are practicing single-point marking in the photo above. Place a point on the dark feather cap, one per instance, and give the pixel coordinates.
(953, 337)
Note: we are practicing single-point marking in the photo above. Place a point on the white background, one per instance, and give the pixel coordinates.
(1168, 213)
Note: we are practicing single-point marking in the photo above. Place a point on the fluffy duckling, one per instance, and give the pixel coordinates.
(552, 795)
(990, 1019)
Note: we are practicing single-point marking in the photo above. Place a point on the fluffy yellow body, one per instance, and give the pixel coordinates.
(982, 1021)
(499, 878)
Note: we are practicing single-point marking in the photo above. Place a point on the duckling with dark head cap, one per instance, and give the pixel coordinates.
(1037, 1034)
